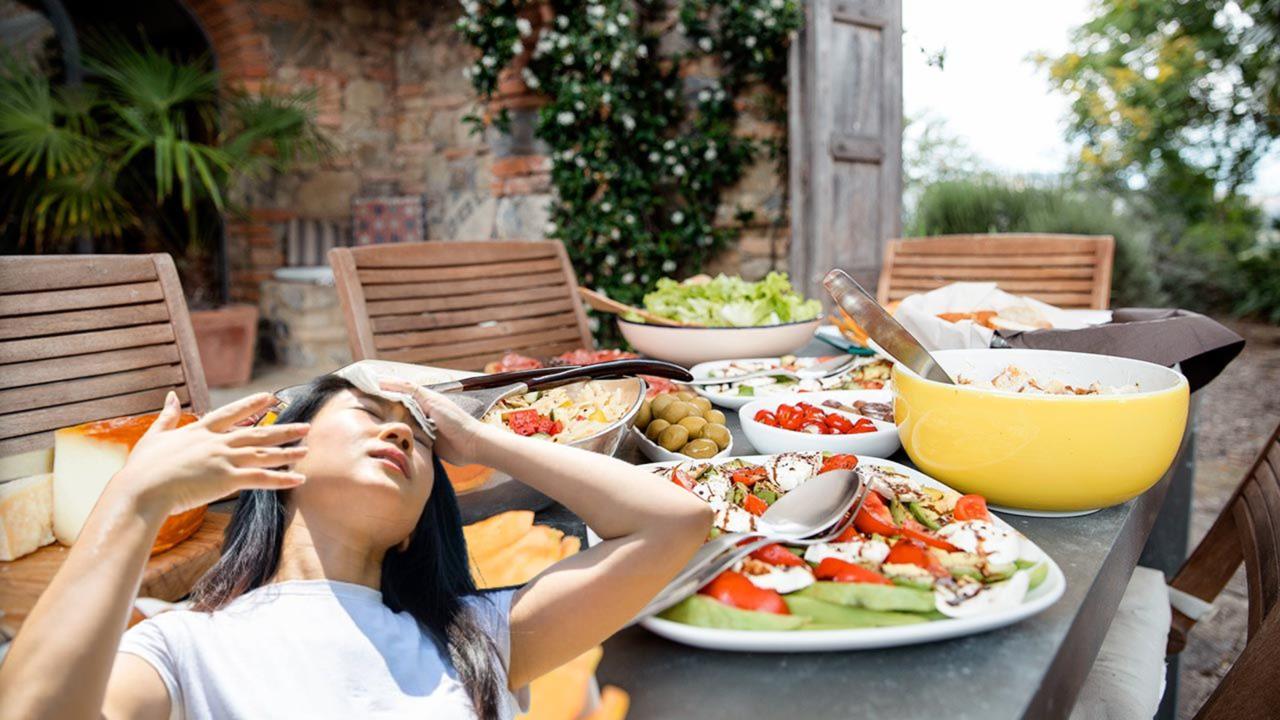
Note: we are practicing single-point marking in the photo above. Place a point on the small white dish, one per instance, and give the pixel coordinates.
(657, 453)
(880, 443)
(733, 400)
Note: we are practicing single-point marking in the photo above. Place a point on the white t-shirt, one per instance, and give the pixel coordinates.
(312, 649)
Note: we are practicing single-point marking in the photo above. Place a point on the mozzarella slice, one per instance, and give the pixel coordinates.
(890, 484)
(789, 470)
(968, 599)
(782, 579)
(866, 551)
(997, 545)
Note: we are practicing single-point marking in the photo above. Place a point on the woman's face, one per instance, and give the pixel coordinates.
(368, 467)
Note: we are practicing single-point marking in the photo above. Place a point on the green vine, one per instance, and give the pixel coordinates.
(641, 154)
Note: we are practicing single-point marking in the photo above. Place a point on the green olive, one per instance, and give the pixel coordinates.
(686, 395)
(701, 448)
(676, 411)
(656, 427)
(660, 403)
(674, 437)
(694, 425)
(718, 434)
(644, 415)
(703, 404)
(715, 417)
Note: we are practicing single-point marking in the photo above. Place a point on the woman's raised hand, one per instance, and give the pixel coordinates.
(458, 435)
(173, 468)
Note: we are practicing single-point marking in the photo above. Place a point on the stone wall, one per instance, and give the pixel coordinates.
(392, 96)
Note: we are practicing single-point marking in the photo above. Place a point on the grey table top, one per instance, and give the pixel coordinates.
(1032, 669)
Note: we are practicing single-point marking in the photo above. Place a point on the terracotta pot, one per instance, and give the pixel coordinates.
(512, 92)
(227, 337)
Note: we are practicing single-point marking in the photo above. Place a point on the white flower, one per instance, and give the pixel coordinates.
(703, 96)
(517, 47)
(565, 117)
(606, 206)
(615, 234)
(678, 171)
(488, 61)
(776, 4)
(677, 217)
(568, 59)
(615, 62)
(524, 27)
(606, 98)
(671, 159)
(593, 322)
(595, 11)
(705, 241)
(670, 94)
(580, 161)
(610, 260)
(468, 71)
(669, 145)
(469, 6)
(562, 41)
(750, 41)
(642, 51)
(529, 78)
(644, 279)
(719, 96)
(610, 29)
(704, 43)
(668, 266)
(710, 154)
(769, 23)
(549, 228)
(630, 219)
(562, 22)
(655, 156)
(579, 105)
(624, 19)
(628, 277)
(628, 122)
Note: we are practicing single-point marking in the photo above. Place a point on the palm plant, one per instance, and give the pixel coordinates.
(139, 157)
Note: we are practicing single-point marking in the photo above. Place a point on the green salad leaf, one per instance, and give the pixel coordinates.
(725, 301)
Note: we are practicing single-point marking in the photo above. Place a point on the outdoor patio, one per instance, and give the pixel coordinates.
(778, 245)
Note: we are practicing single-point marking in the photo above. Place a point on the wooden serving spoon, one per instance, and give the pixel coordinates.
(603, 303)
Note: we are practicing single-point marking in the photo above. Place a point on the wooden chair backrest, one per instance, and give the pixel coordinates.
(1247, 530)
(1070, 271)
(459, 304)
(89, 337)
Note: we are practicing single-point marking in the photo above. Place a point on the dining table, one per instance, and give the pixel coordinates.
(1031, 669)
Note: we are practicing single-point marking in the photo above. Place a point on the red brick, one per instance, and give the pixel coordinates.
(268, 215)
(518, 165)
(458, 153)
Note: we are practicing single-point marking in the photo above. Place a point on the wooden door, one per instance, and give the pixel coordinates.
(845, 130)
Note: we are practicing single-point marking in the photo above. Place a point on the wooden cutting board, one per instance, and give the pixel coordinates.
(168, 576)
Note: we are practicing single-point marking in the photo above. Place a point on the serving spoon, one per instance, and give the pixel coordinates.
(820, 371)
(796, 519)
(604, 303)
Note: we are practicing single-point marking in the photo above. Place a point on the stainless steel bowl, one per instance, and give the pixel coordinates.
(503, 492)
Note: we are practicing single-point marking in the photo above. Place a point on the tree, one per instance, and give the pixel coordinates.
(1182, 97)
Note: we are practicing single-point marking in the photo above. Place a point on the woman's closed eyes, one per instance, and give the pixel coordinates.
(377, 414)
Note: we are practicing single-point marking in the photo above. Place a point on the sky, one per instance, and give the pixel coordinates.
(989, 93)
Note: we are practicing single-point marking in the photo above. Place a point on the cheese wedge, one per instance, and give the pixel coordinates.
(85, 458)
(26, 515)
(36, 462)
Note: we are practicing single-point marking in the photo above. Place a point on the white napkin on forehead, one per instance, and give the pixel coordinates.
(366, 375)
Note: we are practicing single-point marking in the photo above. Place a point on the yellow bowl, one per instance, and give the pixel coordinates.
(1048, 453)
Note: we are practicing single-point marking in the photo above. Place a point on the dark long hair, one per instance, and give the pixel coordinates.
(428, 580)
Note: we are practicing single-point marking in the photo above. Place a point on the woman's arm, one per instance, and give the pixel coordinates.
(61, 660)
(650, 528)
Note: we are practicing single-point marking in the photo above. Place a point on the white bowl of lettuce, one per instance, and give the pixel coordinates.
(726, 317)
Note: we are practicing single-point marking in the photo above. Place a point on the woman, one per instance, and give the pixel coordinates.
(343, 589)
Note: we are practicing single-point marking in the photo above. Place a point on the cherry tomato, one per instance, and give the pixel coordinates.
(912, 552)
(971, 507)
(839, 424)
(874, 518)
(749, 476)
(767, 418)
(814, 427)
(836, 569)
(863, 426)
(776, 554)
(792, 421)
(754, 505)
(840, 461)
(681, 478)
(735, 589)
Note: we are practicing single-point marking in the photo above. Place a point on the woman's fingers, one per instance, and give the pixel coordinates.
(269, 435)
(169, 415)
(265, 479)
(225, 417)
(267, 457)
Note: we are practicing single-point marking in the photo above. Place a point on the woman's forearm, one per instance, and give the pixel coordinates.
(61, 659)
(613, 497)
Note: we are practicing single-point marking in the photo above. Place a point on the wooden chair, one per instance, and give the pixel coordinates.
(459, 304)
(1247, 530)
(1070, 271)
(88, 337)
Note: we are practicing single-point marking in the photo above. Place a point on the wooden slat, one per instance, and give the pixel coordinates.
(38, 396)
(38, 441)
(983, 274)
(1009, 244)
(184, 335)
(456, 272)
(81, 320)
(80, 298)
(1066, 300)
(464, 302)
(15, 351)
(394, 323)
(1265, 541)
(1018, 287)
(434, 254)
(21, 274)
(461, 288)
(60, 416)
(1058, 260)
(1253, 561)
(493, 346)
(587, 340)
(44, 371)
(477, 362)
(475, 332)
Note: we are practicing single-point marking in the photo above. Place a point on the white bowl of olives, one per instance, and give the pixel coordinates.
(681, 425)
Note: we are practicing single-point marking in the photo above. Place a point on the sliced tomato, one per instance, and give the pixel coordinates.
(971, 507)
(840, 461)
(735, 589)
(767, 418)
(848, 534)
(789, 418)
(754, 505)
(874, 518)
(776, 554)
(908, 551)
(814, 427)
(681, 478)
(839, 424)
(847, 572)
(749, 476)
(863, 426)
